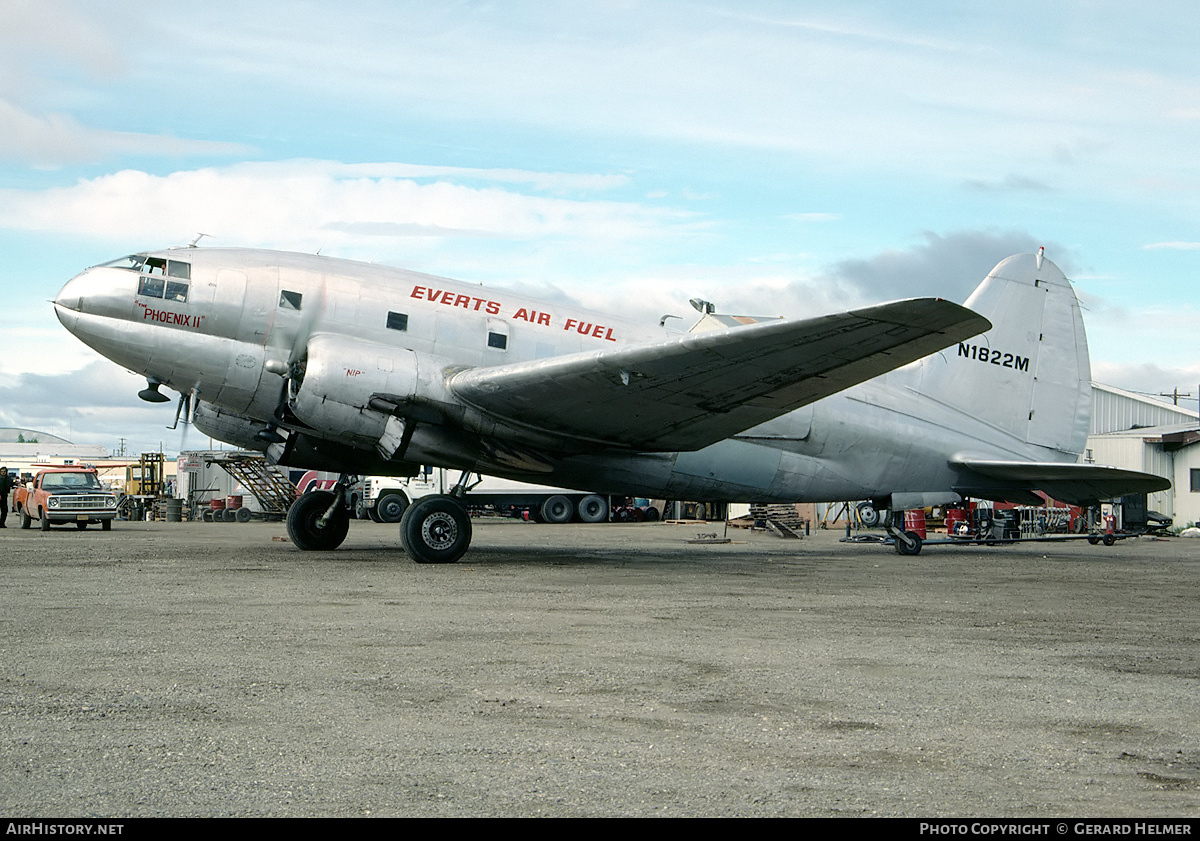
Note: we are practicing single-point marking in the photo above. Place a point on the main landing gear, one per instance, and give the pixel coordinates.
(319, 520)
(434, 529)
(437, 529)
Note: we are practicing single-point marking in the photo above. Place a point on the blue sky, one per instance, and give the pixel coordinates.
(784, 158)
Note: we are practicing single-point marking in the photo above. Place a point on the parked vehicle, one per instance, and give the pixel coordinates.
(65, 495)
(385, 498)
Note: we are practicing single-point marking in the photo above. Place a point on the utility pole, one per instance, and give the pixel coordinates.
(1174, 394)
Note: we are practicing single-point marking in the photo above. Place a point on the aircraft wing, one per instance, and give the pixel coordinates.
(1065, 482)
(700, 388)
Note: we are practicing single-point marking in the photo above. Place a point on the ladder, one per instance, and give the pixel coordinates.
(274, 492)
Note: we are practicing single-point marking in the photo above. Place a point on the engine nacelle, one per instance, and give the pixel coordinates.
(230, 427)
(344, 376)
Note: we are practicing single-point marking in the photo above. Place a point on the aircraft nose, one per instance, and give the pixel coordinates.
(72, 294)
(98, 291)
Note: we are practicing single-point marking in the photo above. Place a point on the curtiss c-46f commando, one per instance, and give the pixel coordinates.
(356, 368)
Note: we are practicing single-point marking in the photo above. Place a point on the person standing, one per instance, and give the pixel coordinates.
(6, 485)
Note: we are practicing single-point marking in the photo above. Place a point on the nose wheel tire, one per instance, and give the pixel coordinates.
(435, 530)
(303, 522)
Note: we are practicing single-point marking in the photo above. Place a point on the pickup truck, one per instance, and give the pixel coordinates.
(65, 495)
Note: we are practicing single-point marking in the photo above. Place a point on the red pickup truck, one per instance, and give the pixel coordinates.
(65, 495)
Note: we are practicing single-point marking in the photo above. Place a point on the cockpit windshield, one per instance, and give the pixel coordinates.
(160, 277)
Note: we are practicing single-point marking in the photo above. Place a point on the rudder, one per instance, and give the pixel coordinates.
(1030, 375)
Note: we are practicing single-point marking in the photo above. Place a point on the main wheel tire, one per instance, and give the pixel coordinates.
(435, 530)
(593, 509)
(903, 548)
(391, 507)
(557, 509)
(303, 516)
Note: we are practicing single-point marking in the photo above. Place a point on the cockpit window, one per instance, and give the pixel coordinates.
(176, 291)
(152, 265)
(151, 286)
(160, 278)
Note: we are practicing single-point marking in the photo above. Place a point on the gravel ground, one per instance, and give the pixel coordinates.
(212, 669)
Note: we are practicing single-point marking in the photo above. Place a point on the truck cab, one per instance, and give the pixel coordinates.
(66, 495)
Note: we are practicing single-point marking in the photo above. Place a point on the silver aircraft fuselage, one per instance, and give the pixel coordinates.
(228, 325)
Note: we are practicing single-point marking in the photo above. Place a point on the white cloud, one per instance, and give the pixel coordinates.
(1173, 246)
(304, 204)
(1151, 378)
(53, 140)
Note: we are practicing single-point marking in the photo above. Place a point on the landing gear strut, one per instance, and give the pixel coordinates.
(319, 520)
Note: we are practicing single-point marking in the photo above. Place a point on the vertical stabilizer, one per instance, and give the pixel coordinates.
(1029, 376)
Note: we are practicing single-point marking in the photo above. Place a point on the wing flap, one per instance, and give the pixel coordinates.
(694, 390)
(1074, 483)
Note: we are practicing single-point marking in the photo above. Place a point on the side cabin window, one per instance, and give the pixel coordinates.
(397, 321)
(497, 335)
(289, 300)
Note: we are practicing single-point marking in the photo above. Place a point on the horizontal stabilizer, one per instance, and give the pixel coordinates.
(1066, 482)
(694, 390)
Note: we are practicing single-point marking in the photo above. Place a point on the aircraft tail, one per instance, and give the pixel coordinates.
(1029, 377)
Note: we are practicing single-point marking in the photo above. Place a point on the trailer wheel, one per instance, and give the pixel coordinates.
(243, 515)
(391, 507)
(1110, 539)
(1094, 539)
(903, 548)
(435, 530)
(593, 509)
(558, 510)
